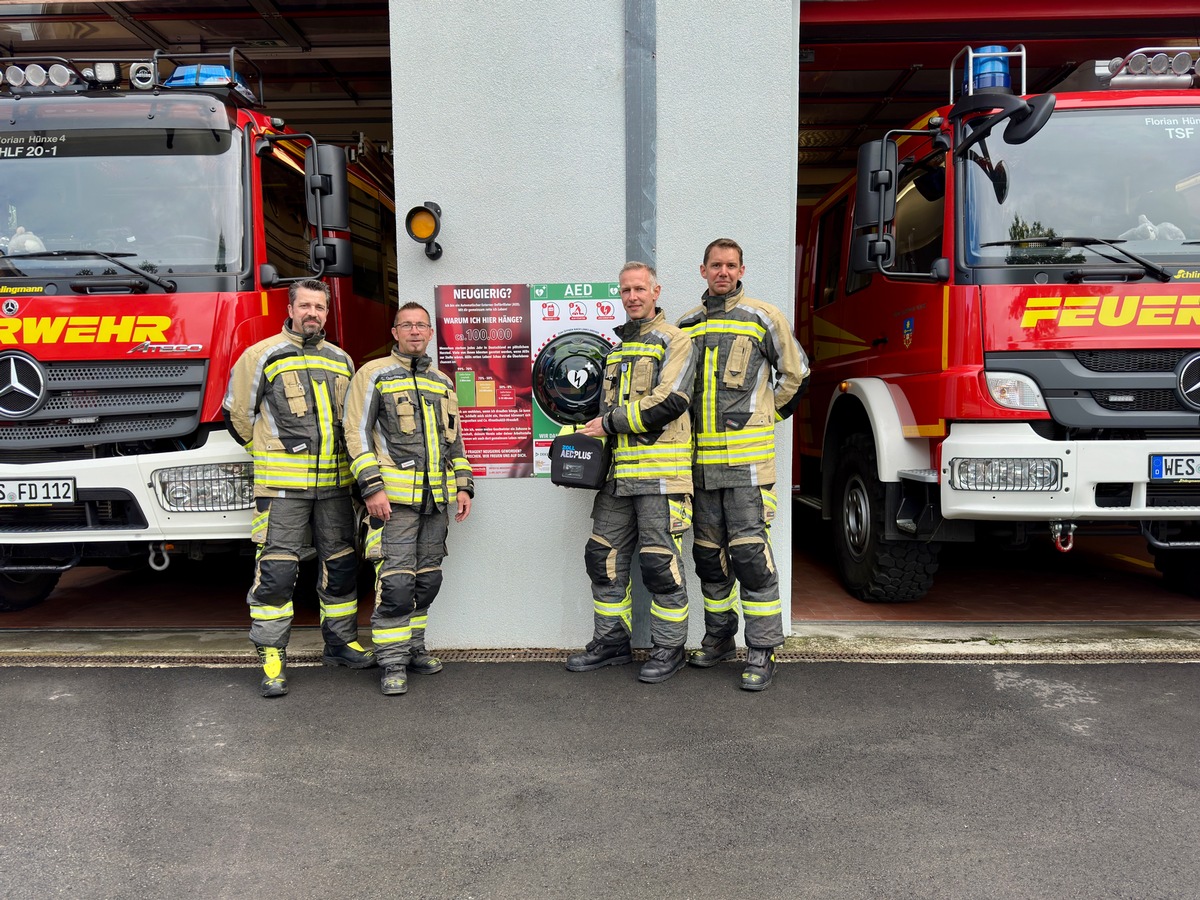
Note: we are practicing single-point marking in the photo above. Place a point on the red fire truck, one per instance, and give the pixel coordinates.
(1003, 311)
(151, 219)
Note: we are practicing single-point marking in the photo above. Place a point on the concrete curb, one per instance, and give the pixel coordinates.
(810, 642)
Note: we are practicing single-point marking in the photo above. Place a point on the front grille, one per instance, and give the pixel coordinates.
(1142, 400)
(93, 509)
(1173, 495)
(1131, 360)
(92, 403)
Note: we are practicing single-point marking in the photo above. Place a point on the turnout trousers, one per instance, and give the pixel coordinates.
(732, 546)
(656, 522)
(408, 552)
(281, 528)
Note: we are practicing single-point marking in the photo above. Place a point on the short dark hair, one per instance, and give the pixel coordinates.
(412, 304)
(307, 284)
(724, 244)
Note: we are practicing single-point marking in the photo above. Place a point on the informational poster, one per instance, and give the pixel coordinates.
(556, 309)
(488, 336)
(484, 342)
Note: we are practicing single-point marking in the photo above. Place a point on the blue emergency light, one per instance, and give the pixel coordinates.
(990, 71)
(195, 76)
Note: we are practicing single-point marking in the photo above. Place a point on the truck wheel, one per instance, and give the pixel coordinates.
(1180, 570)
(873, 568)
(21, 590)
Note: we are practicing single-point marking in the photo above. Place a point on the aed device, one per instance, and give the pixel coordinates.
(577, 460)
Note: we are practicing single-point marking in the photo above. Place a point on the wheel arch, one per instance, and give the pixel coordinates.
(871, 406)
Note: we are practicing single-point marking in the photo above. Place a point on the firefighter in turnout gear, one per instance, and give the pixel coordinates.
(750, 374)
(406, 450)
(646, 498)
(284, 404)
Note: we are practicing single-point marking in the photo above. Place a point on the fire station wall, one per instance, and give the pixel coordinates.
(511, 116)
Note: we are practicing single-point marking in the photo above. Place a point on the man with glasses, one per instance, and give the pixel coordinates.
(283, 403)
(406, 450)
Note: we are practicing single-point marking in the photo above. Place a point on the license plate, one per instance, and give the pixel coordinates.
(1175, 467)
(37, 491)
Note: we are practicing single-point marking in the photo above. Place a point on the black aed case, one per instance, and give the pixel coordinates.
(577, 460)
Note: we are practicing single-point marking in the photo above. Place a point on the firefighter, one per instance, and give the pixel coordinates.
(284, 404)
(646, 498)
(750, 374)
(406, 450)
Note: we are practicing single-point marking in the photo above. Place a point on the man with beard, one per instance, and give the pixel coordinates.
(284, 404)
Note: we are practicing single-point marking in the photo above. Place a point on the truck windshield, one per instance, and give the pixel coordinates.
(167, 200)
(1129, 176)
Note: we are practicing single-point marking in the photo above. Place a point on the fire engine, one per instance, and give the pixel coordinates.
(152, 217)
(1002, 307)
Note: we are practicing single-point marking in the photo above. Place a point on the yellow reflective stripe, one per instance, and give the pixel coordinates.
(620, 608)
(668, 614)
(433, 450)
(680, 511)
(418, 622)
(768, 498)
(632, 350)
(395, 385)
(303, 363)
(391, 635)
(727, 326)
(767, 608)
(374, 539)
(324, 418)
(359, 463)
(337, 610)
(267, 613)
(259, 521)
(462, 465)
(708, 413)
(757, 434)
(634, 413)
(724, 604)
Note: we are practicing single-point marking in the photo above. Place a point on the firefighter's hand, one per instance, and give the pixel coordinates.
(594, 428)
(464, 506)
(378, 506)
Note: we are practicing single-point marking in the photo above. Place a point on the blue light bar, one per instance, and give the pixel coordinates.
(991, 72)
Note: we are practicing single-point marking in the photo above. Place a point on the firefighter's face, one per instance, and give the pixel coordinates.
(639, 293)
(412, 331)
(308, 311)
(722, 270)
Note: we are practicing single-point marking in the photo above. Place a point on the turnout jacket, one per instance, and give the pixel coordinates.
(402, 432)
(750, 374)
(284, 405)
(648, 381)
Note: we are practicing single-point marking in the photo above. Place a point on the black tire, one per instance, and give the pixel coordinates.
(21, 590)
(1180, 570)
(873, 568)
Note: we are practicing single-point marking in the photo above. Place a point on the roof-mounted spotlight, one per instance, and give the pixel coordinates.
(36, 75)
(107, 72)
(423, 223)
(15, 76)
(141, 76)
(60, 75)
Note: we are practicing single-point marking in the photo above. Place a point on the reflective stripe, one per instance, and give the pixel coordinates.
(324, 419)
(736, 447)
(269, 613)
(766, 608)
(337, 610)
(726, 326)
(663, 460)
(668, 614)
(304, 363)
(721, 604)
(259, 521)
(418, 622)
(622, 610)
(633, 349)
(391, 635)
(358, 464)
(424, 383)
(374, 539)
(708, 393)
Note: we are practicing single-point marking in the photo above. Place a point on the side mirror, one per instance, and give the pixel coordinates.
(268, 275)
(331, 256)
(1019, 130)
(875, 200)
(327, 192)
(872, 252)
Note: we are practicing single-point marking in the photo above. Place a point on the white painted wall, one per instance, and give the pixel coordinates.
(510, 114)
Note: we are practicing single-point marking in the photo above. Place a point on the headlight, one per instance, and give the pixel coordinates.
(209, 488)
(1014, 391)
(1001, 474)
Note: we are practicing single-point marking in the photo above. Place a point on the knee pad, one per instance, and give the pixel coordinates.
(396, 594)
(277, 575)
(601, 562)
(428, 584)
(341, 573)
(752, 564)
(710, 562)
(660, 572)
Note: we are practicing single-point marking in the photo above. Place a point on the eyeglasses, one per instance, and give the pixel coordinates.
(413, 326)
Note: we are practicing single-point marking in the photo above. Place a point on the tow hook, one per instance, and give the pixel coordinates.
(1057, 530)
(159, 550)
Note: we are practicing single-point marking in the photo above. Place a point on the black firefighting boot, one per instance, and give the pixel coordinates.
(760, 668)
(662, 664)
(422, 662)
(274, 666)
(597, 655)
(352, 655)
(394, 681)
(713, 650)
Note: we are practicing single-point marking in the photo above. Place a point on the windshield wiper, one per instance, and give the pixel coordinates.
(1151, 268)
(164, 283)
